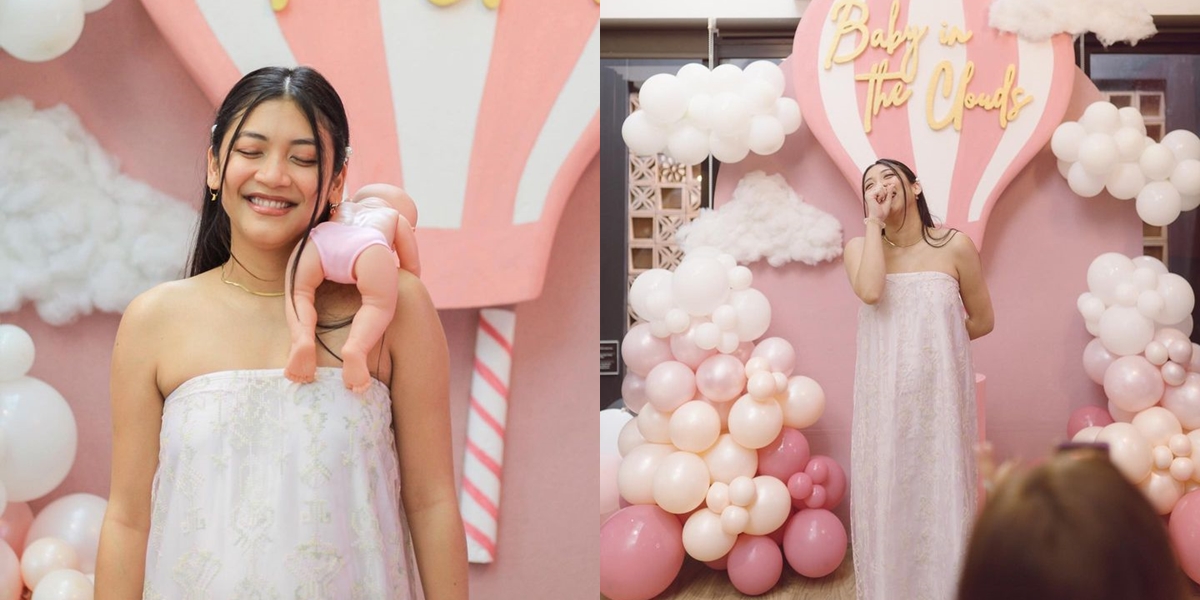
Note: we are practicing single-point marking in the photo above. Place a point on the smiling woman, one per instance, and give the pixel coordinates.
(226, 475)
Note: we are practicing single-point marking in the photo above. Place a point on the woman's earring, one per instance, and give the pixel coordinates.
(213, 198)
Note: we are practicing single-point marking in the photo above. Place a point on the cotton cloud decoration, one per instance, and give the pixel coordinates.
(75, 234)
(1036, 20)
(765, 219)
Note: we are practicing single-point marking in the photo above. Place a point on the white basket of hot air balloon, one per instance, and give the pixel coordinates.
(713, 465)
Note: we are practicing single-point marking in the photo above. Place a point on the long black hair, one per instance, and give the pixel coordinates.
(321, 105)
(927, 222)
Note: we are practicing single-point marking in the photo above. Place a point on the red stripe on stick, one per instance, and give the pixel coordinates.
(480, 538)
(491, 378)
(487, 461)
(483, 500)
(487, 417)
(491, 330)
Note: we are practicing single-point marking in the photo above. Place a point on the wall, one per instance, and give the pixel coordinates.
(133, 94)
(668, 10)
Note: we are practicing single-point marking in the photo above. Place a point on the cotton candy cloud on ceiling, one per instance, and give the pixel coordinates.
(766, 219)
(75, 234)
(1036, 20)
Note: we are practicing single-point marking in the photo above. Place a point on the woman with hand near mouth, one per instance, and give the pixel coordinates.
(229, 480)
(912, 442)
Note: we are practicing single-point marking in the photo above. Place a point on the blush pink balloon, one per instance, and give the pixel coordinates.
(1087, 416)
(1096, 359)
(779, 353)
(814, 542)
(755, 564)
(10, 574)
(633, 392)
(723, 409)
(1133, 384)
(642, 350)
(75, 519)
(685, 350)
(14, 525)
(1173, 373)
(669, 385)
(744, 351)
(1194, 364)
(641, 552)
(785, 456)
(718, 565)
(1184, 401)
(1184, 530)
(800, 486)
(721, 378)
(825, 472)
(1180, 351)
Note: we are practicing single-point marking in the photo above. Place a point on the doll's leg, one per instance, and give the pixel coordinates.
(406, 246)
(302, 315)
(377, 278)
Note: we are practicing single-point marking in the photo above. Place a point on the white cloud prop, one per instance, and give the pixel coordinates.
(1036, 20)
(766, 218)
(75, 234)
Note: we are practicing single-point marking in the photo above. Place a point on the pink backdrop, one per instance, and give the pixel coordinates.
(1041, 239)
(132, 93)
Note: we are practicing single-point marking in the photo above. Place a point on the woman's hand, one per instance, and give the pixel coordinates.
(879, 200)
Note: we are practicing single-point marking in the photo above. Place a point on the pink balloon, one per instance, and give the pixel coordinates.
(1184, 401)
(779, 353)
(1087, 416)
(785, 456)
(1173, 373)
(723, 409)
(718, 565)
(669, 385)
(755, 564)
(75, 519)
(1096, 359)
(642, 350)
(1133, 384)
(800, 486)
(1180, 351)
(685, 350)
(814, 500)
(825, 472)
(1194, 364)
(641, 552)
(11, 584)
(1184, 530)
(777, 535)
(814, 542)
(721, 378)
(744, 351)
(1168, 334)
(633, 392)
(14, 525)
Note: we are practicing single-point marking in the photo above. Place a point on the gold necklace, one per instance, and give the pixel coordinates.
(894, 245)
(246, 289)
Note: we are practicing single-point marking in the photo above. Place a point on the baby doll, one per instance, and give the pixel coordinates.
(365, 241)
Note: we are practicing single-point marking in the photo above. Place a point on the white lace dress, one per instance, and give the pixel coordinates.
(268, 489)
(912, 446)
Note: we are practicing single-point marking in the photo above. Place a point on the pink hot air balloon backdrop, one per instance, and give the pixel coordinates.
(487, 116)
(936, 88)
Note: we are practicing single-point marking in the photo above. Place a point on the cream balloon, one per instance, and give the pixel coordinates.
(803, 404)
(75, 519)
(654, 425)
(64, 584)
(10, 573)
(1162, 490)
(742, 491)
(695, 426)
(1087, 435)
(718, 496)
(703, 537)
(46, 555)
(629, 438)
(1157, 425)
(771, 507)
(753, 423)
(734, 519)
(1130, 452)
(635, 477)
(680, 482)
(728, 460)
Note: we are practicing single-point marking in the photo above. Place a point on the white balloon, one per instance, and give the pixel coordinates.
(677, 320)
(754, 313)
(1099, 154)
(1132, 117)
(1186, 177)
(1150, 304)
(788, 113)
(1083, 182)
(740, 277)
(1145, 278)
(41, 437)
(1125, 181)
(76, 520)
(700, 285)
(727, 78)
(643, 136)
(1064, 167)
(687, 145)
(1104, 274)
(1178, 298)
(663, 99)
(1130, 142)
(1149, 262)
(728, 149)
(731, 114)
(1101, 117)
(694, 79)
(768, 72)
(1157, 162)
(1189, 202)
(1092, 308)
(16, 352)
(699, 111)
(647, 284)
(94, 5)
(759, 96)
(612, 422)
(1124, 331)
(1158, 203)
(1066, 141)
(1183, 144)
(40, 30)
(63, 584)
(765, 136)
(1127, 294)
